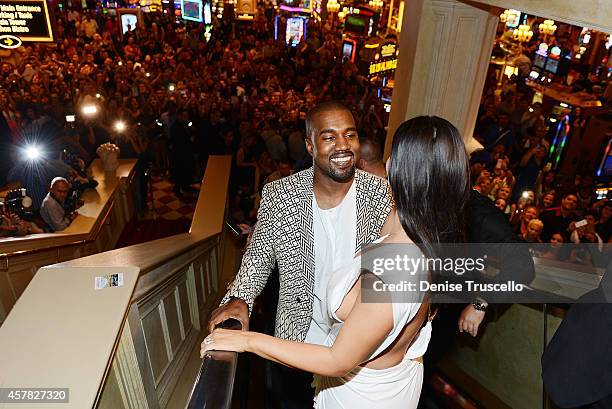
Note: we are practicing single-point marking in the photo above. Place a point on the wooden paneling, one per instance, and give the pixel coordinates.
(157, 351)
(183, 300)
(172, 322)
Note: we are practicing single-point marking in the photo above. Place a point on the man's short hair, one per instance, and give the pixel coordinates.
(319, 109)
(57, 180)
(370, 151)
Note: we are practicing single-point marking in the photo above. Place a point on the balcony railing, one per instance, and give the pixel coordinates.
(119, 328)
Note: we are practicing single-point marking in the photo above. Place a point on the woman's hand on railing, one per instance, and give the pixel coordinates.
(225, 340)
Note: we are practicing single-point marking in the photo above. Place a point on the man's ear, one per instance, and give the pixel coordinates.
(309, 146)
(360, 164)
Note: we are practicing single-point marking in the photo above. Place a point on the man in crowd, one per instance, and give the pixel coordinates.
(561, 218)
(309, 224)
(284, 170)
(371, 158)
(52, 209)
(182, 153)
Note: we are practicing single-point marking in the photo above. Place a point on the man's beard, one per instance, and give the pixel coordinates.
(339, 175)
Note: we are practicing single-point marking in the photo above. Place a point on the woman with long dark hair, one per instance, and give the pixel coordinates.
(372, 355)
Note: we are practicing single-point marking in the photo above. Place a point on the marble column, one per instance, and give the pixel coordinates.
(445, 48)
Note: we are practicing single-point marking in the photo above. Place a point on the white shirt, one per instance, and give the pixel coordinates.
(335, 236)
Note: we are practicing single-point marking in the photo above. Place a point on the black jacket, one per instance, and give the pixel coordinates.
(486, 224)
(577, 363)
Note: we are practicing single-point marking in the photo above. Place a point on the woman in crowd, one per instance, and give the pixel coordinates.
(534, 229)
(520, 222)
(546, 201)
(556, 251)
(384, 368)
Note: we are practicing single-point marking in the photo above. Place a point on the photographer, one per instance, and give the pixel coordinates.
(12, 225)
(52, 209)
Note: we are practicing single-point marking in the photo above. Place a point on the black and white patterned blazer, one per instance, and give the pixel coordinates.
(284, 235)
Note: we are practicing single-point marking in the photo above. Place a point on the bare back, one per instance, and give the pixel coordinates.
(395, 353)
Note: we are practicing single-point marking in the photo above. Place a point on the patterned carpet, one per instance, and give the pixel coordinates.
(171, 216)
(168, 206)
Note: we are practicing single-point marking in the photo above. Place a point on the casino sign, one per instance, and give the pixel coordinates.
(28, 20)
(9, 41)
(386, 61)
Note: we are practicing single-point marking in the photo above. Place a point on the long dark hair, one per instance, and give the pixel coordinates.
(429, 177)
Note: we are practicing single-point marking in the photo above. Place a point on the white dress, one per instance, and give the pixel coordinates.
(391, 388)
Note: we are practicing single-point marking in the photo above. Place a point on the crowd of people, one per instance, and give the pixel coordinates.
(178, 97)
(513, 170)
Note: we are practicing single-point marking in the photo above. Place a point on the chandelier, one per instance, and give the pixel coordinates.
(548, 27)
(510, 17)
(523, 33)
(333, 6)
(376, 4)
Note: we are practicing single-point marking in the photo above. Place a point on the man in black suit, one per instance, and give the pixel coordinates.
(182, 154)
(486, 224)
(577, 363)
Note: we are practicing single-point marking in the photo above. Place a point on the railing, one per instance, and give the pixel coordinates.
(215, 382)
(107, 210)
(125, 346)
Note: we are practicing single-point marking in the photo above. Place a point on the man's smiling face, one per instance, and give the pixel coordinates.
(334, 144)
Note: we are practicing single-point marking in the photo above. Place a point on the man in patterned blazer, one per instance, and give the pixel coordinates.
(310, 223)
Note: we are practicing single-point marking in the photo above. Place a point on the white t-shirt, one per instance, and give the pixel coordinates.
(335, 235)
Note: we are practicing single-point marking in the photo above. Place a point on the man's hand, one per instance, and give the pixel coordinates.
(245, 228)
(234, 308)
(470, 319)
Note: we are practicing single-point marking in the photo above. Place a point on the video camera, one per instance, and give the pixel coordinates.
(18, 202)
(73, 201)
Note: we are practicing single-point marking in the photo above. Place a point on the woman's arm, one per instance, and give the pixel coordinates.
(369, 323)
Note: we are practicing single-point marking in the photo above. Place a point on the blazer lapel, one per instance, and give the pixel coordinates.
(361, 235)
(306, 245)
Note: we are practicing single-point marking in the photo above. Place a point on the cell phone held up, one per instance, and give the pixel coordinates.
(581, 223)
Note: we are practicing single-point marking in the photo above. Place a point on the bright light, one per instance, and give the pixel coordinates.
(171, 87)
(120, 63)
(564, 105)
(70, 118)
(120, 126)
(190, 123)
(530, 109)
(148, 74)
(586, 39)
(32, 152)
(90, 109)
(553, 120)
(158, 122)
(98, 96)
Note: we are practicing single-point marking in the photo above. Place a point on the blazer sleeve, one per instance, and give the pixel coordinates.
(259, 257)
